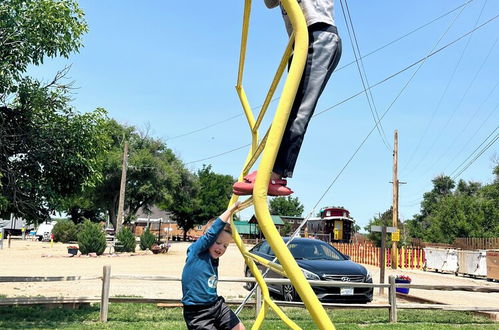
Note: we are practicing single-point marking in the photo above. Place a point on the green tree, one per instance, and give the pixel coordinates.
(288, 206)
(48, 151)
(204, 196)
(91, 238)
(147, 239)
(469, 210)
(153, 174)
(185, 201)
(30, 30)
(65, 231)
(384, 219)
(214, 193)
(126, 239)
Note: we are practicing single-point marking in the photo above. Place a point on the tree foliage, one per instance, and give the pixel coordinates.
(30, 30)
(147, 239)
(91, 238)
(288, 206)
(65, 231)
(126, 240)
(202, 197)
(153, 175)
(48, 151)
(449, 211)
(384, 219)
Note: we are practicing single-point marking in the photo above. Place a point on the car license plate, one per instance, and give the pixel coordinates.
(346, 291)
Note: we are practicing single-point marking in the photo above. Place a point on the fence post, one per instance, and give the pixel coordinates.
(258, 302)
(392, 299)
(104, 302)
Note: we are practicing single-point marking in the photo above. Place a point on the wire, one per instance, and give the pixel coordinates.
(336, 70)
(220, 154)
(425, 131)
(378, 83)
(476, 131)
(449, 119)
(480, 153)
(362, 72)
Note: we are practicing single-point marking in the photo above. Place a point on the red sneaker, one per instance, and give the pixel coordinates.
(246, 188)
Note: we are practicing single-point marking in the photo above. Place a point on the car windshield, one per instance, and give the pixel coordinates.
(314, 251)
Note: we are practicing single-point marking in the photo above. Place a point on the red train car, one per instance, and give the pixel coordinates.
(334, 224)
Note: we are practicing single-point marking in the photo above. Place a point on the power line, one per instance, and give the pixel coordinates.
(338, 69)
(425, 131)
(220, 154)
(362, 72)
(449, 119)
(476, 131)
(487, 146)
(376, 84)
(479, 154)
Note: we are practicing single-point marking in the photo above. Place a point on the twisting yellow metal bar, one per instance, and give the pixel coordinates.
(269, 147)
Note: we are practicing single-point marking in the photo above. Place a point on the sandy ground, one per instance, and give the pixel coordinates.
(27, 258)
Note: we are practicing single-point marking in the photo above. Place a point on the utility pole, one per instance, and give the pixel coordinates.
(395, 211)
(121, 203)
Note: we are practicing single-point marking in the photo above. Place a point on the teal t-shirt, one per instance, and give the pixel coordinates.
(200, 274)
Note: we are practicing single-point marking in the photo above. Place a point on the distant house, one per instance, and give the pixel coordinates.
(247, 229)
(14, 225)
(294, 221)
(276, 219)
(162, 225)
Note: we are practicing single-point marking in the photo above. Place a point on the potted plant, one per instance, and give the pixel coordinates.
(402, 279)
(73, 249)
(155, 248)
(164, 247)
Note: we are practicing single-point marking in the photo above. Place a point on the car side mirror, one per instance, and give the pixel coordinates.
(346, 257)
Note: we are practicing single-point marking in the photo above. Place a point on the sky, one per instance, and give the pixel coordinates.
(170, 67)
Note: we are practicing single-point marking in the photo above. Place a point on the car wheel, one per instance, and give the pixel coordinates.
(249, 285)
(288, 292)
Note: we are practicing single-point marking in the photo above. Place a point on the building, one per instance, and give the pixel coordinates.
(333, 225)
(246, 229)
(162, 225)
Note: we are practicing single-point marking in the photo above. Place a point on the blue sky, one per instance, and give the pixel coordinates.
(171, 67)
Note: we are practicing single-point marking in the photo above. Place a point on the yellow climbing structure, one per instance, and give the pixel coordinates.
(267, 148)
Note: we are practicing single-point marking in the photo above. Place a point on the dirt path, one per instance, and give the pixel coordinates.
(26, 258)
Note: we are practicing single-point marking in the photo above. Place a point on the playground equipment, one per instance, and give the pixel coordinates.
(268, 147)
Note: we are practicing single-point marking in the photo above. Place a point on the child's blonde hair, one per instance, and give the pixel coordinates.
(227, 227)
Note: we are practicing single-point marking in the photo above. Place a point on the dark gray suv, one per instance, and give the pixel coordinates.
(318, 261)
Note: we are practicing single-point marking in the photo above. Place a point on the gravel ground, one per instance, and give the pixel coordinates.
(27, 258)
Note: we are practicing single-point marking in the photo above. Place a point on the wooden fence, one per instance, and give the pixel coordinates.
(365, 253)
(472, 243)
(106, 277)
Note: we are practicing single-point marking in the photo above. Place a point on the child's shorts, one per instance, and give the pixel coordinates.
(215, 316)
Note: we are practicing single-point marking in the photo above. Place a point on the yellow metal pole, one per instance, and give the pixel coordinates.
(284, 256)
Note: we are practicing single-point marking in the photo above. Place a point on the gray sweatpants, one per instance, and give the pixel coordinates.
(324, 52)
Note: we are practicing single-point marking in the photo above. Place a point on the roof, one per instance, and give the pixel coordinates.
(244, 227)
(275, 218)
(331, 218)
(14, 223)
(154, 213)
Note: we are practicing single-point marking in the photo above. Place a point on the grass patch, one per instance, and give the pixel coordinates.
(140, 316)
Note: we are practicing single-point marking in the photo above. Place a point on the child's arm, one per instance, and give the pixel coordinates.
(212, 233)
(226, 215)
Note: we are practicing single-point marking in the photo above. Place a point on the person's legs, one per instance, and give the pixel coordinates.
(200, 317)
(324, 53)
(226, 318)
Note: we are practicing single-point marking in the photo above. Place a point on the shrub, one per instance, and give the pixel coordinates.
(127, 241)
(147, 239)
(91, 238)
(65, 231)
